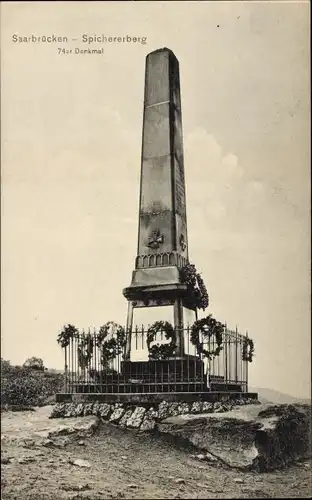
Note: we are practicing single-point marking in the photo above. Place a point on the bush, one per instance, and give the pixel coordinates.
(24, 386)
(34, 363)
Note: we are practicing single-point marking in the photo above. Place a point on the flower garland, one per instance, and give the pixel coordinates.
(207, 327)
(68, 333)
(162, 351)
(248, 350)
(193, 279)
(112, 347)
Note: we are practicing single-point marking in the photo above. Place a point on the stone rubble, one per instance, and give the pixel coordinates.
(210, 458)
(238, 480)
(116, 415)
(79, 462)
(197, 407)
(163, 410)
(75, 487)
(126, 416)
(70, 409)
(148, 423)
(184, 408)
(173, 409)
(104, 410)
(132, 416)
(152, 413)
(88, 409)
(96, 409)
(136, 418)
(207, 407)
(79, 410)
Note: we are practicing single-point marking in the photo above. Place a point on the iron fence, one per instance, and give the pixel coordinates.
(190, 372)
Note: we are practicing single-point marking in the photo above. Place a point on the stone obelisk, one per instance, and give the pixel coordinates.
(162, 236)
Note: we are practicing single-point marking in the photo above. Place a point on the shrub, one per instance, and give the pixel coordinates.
(24, 386)
(34, 363)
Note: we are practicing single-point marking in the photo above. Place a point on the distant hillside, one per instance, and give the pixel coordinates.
(272, 396)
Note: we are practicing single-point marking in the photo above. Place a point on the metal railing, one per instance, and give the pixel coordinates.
(188, 373)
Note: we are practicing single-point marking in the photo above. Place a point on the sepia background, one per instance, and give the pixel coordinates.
(71, 147)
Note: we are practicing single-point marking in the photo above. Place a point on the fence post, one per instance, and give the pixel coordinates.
(178, 322)
(225, 369)
(246, 366)
(71, 361)
(236, 346)
(196, 314)
(127, 353)
(66, 371)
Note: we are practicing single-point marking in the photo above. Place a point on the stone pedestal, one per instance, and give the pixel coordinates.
(182, 369)
(185, 374)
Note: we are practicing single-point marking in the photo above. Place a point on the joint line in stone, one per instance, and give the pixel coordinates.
(156, 104)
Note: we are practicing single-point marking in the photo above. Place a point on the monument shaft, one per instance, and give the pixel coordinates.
(162, 225)
(162, 235)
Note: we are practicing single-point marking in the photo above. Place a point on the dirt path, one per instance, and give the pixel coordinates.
(128, 465)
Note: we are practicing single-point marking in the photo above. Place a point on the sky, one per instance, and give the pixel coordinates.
(71, 150)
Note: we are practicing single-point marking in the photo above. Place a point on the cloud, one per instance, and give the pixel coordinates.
(204, 153)
(230, 166)
(214, 178)
(226, 207)
(256, 186)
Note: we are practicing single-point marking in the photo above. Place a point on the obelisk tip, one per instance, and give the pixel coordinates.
(164, 49)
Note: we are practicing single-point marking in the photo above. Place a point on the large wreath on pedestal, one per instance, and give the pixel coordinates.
(195, 282)
(206, 328)
(161, 351)
(110, 347)
(248, 350)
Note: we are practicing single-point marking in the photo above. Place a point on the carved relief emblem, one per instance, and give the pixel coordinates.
(155, 240)
(182, 243)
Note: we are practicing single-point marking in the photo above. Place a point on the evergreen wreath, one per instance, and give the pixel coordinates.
(68, 333)
(162, 351)
(85, 350)
(195, 282)
(112, 347)
(248, 350)
(207, 327)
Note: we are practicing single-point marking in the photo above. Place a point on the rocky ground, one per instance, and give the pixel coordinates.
(76, 459)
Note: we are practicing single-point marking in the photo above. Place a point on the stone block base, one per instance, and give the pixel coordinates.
(153, 398)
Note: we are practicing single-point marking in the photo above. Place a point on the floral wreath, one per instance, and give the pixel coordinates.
(68, 333)
(193, 279)
(207, 327)
(112, 347)
(248, 350)
(85, 350)
(163, 351)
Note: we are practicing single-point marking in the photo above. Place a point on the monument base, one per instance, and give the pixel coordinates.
(168, 376)
(150, 398)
